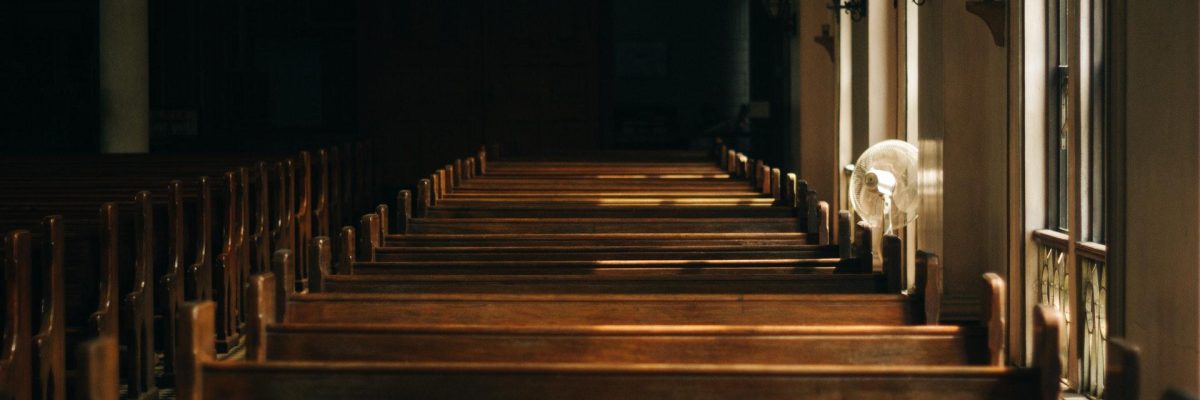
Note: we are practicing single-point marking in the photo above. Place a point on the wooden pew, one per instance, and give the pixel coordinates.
(875, 345)
(159, 274)
(1123, 364)
(646, 309)
(377, 379)
(586, 251)
(611, 276)
(496, 340)
(34, 366)
(434, 205)
(16, 353)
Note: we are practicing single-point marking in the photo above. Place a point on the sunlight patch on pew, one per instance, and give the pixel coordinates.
(662, 176)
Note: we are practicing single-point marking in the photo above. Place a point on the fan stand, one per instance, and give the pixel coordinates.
(877, 235)
(887, 214)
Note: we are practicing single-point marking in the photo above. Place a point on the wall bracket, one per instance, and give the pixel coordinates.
(992, 13)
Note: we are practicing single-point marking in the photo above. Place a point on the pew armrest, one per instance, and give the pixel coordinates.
(98, 378)
(995, 316)
(1121, 372)
(929, 285)
(261, 297)
(1047, 327)
(196, 346)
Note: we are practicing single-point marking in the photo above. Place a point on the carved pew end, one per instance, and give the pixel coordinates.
(995, 315)
(929, 285)
(196, 347)
(98, 378)
(424, 197)
(403, 211)
(349, 255)
(371, 239)
(1047, 327)
(1121, 372)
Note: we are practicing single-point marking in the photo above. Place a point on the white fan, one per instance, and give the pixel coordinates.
(883, 187)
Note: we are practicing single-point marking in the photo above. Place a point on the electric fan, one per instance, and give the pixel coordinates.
(883, 187)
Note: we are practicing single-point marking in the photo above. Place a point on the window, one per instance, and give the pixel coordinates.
(1070, 267)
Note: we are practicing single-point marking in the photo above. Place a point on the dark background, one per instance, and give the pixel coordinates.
(427, 81)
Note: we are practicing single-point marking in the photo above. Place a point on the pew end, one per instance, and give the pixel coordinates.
(744, 166)
(788, 197)
(262, 311)
(348, 255)
(861, 260)
(197, 346)
(104, 321)
(1047, 326)
(451, 178)
(199, 274)
(403, 211)
(776, 190)
(139, 303)
(995, 316)
(49, 343)
(762, 177)
(459, 174)
(424, 199)
(800, 200)
(812, 215)
(371, 238)
(16, 364)
(383, 215)
(282, 266)
(1123, 365)
(929, 285)
(434, 194)
(321, 261)
(97, 376)
(822, 231)
(443, 184)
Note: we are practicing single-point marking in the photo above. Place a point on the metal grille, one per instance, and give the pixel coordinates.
(1054, 288)
(1095, 327)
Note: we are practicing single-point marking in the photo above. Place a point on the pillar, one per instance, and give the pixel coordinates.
(124, 77)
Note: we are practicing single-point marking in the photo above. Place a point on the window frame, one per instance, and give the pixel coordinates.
(1070, 255)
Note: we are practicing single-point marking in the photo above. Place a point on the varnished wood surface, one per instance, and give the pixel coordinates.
(528, 295)
(292, 380)
(540, 309)
(602, 225)
(130, 238)
(632, 281)
(599, 239)
(610, 211)
(777, 345)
